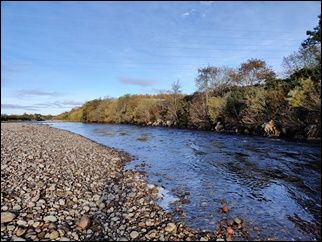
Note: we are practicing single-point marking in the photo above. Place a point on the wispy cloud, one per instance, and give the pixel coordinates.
(17, 106)
(31, 92)
(188, 13)
(137, 82)
(37, 106)
(59, 104)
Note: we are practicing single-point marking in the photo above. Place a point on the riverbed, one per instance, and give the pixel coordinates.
(273, 185)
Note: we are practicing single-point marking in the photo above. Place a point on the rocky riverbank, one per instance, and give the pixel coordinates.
(56, 185)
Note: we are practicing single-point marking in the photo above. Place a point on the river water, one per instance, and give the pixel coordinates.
(273, 185)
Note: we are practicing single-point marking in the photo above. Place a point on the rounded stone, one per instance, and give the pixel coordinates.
(20, 231)
(84, 222)
(16, 207)
(50, 218)
(134, 234)
(22, 223)
(54, 235)
(7, 217)
(171, 228)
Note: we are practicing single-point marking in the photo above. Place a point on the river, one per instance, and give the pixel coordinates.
(273, 185)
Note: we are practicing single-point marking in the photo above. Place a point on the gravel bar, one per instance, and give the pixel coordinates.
(56, 185)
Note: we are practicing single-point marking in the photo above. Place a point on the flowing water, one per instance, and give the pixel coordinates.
(273, 185)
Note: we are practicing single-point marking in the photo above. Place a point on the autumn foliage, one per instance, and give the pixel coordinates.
(245, 99)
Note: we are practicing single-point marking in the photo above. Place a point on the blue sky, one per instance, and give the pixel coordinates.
(57, 55)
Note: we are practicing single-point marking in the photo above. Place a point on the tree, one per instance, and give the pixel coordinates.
(314, 36)
(313, 42)
(198, 116)
(303, 58)
(225, 78)
(174, 105)
(176, 87)
(308, 58)
(253, 72)
(306, 95)
(254, 112)
(205, 80)
(89, 108)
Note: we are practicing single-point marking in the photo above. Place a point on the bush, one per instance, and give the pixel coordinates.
(306, 95)
(216, 108)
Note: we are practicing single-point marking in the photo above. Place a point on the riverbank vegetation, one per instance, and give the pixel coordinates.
(249, 98)
(25, 117)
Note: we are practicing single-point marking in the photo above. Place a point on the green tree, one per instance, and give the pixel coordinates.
(314, 37)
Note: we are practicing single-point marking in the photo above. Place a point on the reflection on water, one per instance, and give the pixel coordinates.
(274, 185)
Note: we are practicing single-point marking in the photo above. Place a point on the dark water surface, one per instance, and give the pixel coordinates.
(274, 185)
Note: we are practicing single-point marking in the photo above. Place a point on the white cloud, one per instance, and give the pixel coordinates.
(188, 13)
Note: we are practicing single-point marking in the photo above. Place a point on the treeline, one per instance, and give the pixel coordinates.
(25, 117)
(246, 99)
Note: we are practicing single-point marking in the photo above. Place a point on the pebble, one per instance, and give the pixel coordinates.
(18, 239)
(171, 228)
(149, 222)
(123, 239)
(225, 209)
(84, 222)
(16, 207)
(230, 231)
(64, 239)
(20, 231)
(31, 205)
(7, 217)
(36, 224)
(101, 206)
(22, 223)
(4, 208)
(237, 220)
(134, 234)
(96, 197)
(86, 208)
(50, 218)
(54, 235)
(10, 227)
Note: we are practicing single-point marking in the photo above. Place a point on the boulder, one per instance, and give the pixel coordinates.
(312, 131)
(270, 129)
(219, 127)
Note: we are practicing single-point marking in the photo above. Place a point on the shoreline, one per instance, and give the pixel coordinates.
(224, 132)
(103, 200)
